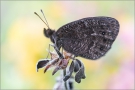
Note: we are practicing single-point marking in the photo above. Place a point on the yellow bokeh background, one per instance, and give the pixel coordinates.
(23, 44)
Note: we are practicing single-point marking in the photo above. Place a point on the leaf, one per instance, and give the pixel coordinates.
(77, 66)
(69, 73)
(80, 73)
(41, 63)
(55, 70)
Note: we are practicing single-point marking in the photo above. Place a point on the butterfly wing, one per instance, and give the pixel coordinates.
(89, 37)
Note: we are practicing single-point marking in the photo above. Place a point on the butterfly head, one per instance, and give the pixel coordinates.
(49, 32)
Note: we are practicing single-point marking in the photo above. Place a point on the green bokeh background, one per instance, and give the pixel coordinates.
(23, 43)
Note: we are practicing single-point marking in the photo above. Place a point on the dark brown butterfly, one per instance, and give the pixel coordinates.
(89, 37)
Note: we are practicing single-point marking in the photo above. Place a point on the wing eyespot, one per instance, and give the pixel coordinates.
(103, 33)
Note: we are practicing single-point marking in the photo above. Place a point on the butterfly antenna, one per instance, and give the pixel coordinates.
(41, 19)
(45, 18)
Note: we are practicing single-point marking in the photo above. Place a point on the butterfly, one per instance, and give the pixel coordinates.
(90, 37)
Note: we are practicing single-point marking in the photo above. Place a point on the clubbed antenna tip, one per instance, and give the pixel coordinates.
(41, 18)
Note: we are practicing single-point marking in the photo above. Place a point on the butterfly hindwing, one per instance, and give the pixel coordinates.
(90, 37)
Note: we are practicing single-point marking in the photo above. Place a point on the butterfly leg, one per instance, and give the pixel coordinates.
(58, 52)
(48, 52)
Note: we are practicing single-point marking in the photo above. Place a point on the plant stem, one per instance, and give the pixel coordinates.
(65, 83)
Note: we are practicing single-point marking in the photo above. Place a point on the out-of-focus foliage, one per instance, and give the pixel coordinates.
(23, 43)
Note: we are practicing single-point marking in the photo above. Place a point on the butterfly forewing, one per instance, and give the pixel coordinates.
(89, 37)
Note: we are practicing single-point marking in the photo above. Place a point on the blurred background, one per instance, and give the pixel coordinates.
(23, 44)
